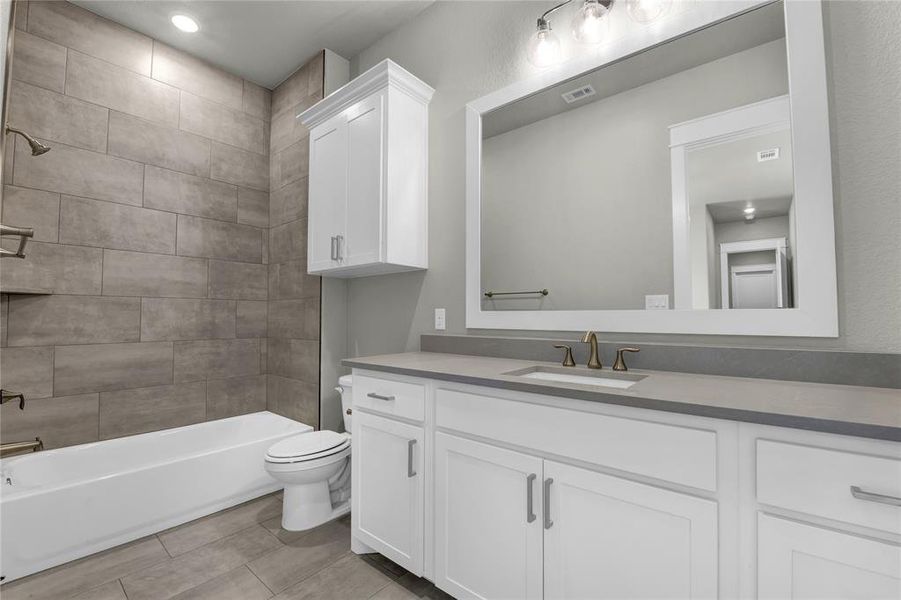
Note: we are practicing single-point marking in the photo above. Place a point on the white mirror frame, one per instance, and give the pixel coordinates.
(816, 312)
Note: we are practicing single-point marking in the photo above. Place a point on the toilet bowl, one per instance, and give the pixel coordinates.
(314, 468)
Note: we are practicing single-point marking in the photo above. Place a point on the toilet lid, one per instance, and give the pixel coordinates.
(305, 444)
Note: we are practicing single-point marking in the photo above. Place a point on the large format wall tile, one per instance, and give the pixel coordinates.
(289, 165)
(294, 399)
(195, 76)
(216, 239)
(142, 274)
(59, 320)
(250, 319)
(290, 280)
(27, 371)
(127, 412)
(80, 173)
(186, 319)
(235, 396)
(305, 81)
(253, 207)
(218, 122)
(240, 167)
(62, 269)
(287, 320)
(296, 359)
(107, 225)
(119, 89)
(146, 142)
(4, 313)
(216, 359)
(39, 62)
(241, 281)
(288, 203)
(103, 367)
(49, 115)
(287, 128)
(288, 241)
(256, 100)
(32, 208)
(189, 195)
(77, 28)
(64, 421)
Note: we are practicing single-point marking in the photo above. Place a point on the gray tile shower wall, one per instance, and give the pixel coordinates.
(813, 366)
(293, 315)
(152, 228)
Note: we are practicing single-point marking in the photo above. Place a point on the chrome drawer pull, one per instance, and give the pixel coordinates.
(379, 397)
(334, 249)
(547, 503)
(530, 509)
(873, 497)
(410, 471)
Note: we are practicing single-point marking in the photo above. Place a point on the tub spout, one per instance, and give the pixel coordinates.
(35, 445)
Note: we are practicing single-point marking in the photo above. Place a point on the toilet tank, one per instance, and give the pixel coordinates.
(345, 383)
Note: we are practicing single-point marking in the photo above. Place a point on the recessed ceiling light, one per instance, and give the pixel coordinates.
(750, 210)
(185, 23)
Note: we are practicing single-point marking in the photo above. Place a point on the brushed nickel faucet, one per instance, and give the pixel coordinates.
(17, 447)
(567, 356)
(620, 364)
(594, 361)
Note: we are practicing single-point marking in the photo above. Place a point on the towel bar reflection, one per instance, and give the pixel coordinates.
(23, 232)
(492, 294)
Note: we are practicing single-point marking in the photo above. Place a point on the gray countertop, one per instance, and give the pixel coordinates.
(850, 410)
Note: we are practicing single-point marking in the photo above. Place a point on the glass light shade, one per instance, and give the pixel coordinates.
(544, 48)
(589, 24)
(645, 11)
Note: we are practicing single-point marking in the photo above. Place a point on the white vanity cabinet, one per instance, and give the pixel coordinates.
(368, 181)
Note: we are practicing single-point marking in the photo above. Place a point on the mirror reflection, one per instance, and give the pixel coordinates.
(660, 181)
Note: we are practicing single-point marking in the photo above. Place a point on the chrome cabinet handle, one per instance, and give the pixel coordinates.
(339, 241)
(530, 510)
(379, 397)
(874, 497)
(547, 503)
(410, 471)
(334, 249)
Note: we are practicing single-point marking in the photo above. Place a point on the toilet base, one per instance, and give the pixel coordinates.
(309, 505)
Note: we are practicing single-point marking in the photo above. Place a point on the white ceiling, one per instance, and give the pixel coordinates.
(263, 40)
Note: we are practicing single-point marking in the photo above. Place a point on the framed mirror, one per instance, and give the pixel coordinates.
(677, 180)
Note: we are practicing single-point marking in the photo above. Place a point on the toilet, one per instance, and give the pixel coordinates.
(314, 468)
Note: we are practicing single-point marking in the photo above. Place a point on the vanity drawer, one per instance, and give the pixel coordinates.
(671, 453)
(818, 481)
(390, 397)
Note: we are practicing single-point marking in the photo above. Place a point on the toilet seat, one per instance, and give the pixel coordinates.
(308, 447)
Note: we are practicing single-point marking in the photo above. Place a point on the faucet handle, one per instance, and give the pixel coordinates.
(6, 396)
(620, 364)
(567, 356)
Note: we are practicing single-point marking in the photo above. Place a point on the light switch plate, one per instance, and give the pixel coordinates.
(440, 319)
(656, 302)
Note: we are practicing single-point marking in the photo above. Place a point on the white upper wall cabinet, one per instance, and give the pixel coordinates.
(368, 202)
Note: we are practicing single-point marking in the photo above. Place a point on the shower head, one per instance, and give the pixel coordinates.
(37, 148)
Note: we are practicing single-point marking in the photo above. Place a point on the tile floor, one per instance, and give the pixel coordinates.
(238, 554)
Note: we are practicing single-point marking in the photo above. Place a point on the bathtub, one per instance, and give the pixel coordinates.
(59, 505)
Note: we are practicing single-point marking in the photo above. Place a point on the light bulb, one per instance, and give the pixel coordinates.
(544, 47)
(645, 11)
(589, 25)
(750, 210)
(185, 23)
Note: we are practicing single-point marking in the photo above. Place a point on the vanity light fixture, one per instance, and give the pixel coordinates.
(588, 25)
(185, 23)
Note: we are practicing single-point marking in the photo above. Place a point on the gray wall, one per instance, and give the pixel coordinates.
(293, 344)
(487, 50)
(590, 188)
(152, 229)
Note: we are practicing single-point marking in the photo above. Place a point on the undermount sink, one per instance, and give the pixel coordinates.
(582, 377)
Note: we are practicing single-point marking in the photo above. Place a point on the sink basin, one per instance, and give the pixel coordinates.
(621, 381)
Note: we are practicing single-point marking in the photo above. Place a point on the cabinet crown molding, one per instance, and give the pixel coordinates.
(385, 74)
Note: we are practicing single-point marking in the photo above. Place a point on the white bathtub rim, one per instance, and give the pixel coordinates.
(7, 494)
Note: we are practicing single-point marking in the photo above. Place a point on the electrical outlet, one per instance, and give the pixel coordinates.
(440, 319)
(656, 302)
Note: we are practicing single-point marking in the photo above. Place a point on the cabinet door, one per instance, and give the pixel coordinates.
(795, 560)
(327, 194)
(365, 188)
(488, 532)
(387, 495)
(607, 537)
